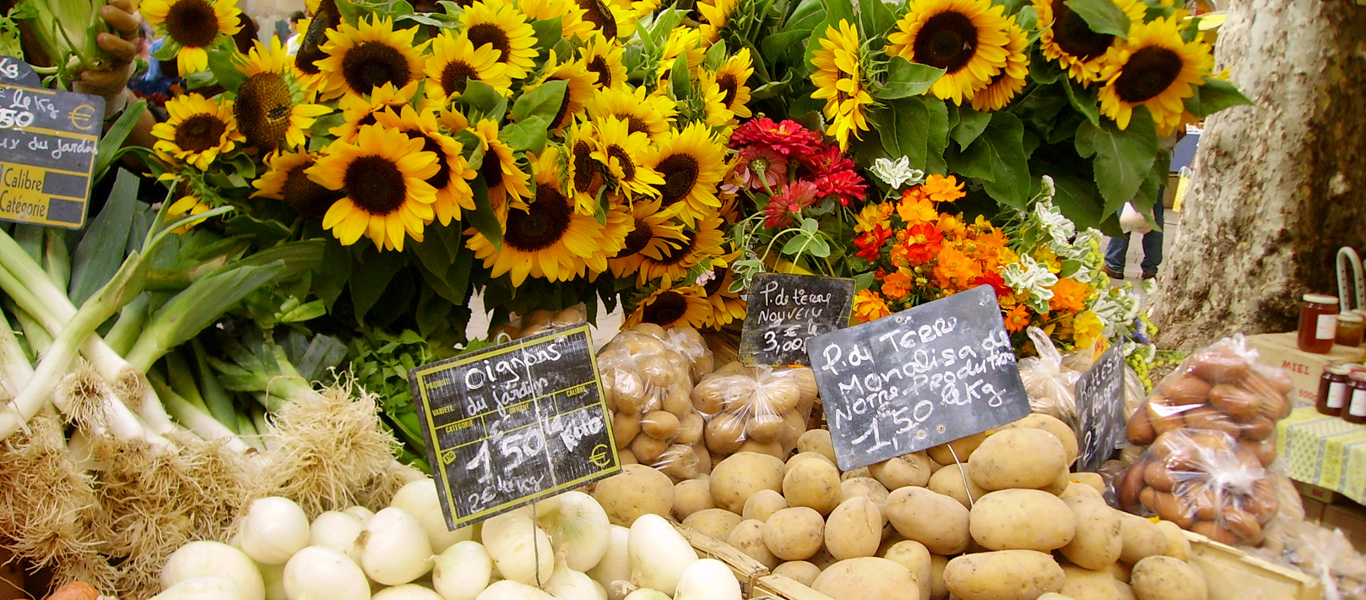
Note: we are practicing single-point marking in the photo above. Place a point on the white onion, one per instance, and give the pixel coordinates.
(393, 548)
(511, 590)
(708, 579)
(338, 531)
(419, 498)
(273, 530)
(213, 559)
(360, 512)
(462, 571)
(317, 573)
(578, 524)
(201, 588)
(520, 550)
(273, 576)
(647, 594)
(407, 591)
(615, 564)
(659, 554)
(568, 584)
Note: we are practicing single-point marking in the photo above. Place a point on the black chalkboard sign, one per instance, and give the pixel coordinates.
(48, 142)
(918, 378)
(784, 311)
(1100, 410)
(18, 72)
(514, 423)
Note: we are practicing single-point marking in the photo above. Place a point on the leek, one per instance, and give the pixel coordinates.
(67, 31)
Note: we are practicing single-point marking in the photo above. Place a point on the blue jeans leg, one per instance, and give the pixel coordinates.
(1152, 241)
(1116, 252)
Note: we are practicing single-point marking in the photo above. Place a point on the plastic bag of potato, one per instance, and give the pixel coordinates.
(755, 409)
(539, 321)
(1322, 553)
(1047, 381)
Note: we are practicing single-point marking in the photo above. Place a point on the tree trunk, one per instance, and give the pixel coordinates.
(1279, 186)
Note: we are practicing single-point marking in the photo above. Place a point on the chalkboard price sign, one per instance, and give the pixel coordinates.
(514, 423)
(18, 72)
(784, 311)
(48, 142)
(918, 378)
(1100, 410)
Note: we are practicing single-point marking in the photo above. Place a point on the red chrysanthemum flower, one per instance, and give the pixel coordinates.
(789, 202)
(847, 184)
(923, 242)
(997, 283)
(758, 165)
(870, 244)
(788, 138)
(826, 160)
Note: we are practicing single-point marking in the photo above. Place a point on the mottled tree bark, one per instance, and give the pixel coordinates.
(1279, 186)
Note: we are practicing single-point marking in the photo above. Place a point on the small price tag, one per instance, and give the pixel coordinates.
(785, 311)
(1100, 410)
(917, 379)
(48, 143)
(18, 72)
(514, 423)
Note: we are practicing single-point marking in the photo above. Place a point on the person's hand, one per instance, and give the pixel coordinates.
(120, 48)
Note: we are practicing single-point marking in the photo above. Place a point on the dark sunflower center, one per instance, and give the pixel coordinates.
(680, 173)
(192, 23)
(1149, 72)
(598, 66)
(637, 240)
(730, 86)
(666, 309)
(542, 225)
(375, 184)
(564, 109)
(305, 195)
(628, 165)
(676, 255)
(372, 64)
(443, 172)
(635, 124)
(263, 109)
(488, 33)
(310, 49)
(200, 132)
(456, 75)
(718, 277)
(491, 170)
(600, 16)
(1074, 36)
(948, 40)
(583, 167)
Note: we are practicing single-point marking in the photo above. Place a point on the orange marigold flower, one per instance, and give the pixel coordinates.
(868, 306)
(954, 271)
(1069, 296)
(942, 188)
(922, 243)
(896, 286)
(916, 210)
(873, 215)
(952, 226)
(1017, 319)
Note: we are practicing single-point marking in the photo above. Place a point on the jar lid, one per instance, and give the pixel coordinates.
(1339, 369)
(1320, 298)
(1350, 317)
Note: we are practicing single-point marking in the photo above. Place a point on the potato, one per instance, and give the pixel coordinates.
(962, 448)
(1081, 490)
(794, 533)
(1141, 537)
(813, 483)
(864, 486)
(1098, 542)
(801, 456)
(679, 462)
(1178, 546)
(1022, 520)
(715, 522)
(800, 571)
(648, 449)
(916, 558)
(739, 476)
(625, 457)
(763, 504)
(724, 433)
(691, 496)
(1052, 425)
(909, 469)
(1125, 592)
(635, 491)
(1003, 575)
(765, 427)
(1059, 485)
(1017, 458)
(867, 578)
(624, 429)
(1120, 571)
(1166, 578)
(818, 441)
(748, 537)
(950, 481)
(1187, 390)
(935, 520)
(661, 425)
(678, 403)
(1083, 584)
(1055, 596)
(938, 591)
(854, 529)
(773, 449)
(1140, 428)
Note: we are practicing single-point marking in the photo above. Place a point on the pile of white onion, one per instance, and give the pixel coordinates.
(564, 549)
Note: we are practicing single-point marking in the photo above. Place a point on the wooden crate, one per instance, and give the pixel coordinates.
(777, 587)
(1234, 574)
(756, 582)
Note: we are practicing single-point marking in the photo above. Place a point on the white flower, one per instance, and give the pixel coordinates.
(1117, 309)
(1057, 226)
(1031, 277)
(897, 174)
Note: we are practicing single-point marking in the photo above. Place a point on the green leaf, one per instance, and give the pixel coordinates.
(1215, 95)
(998, 159)
(483, 218)
(1075, 195)
(526, 136)
(679, 78)
(1085, 100)
(203, 303)
(905, 78)
(905, 129)
(548, 33)
(818, 32)
(541, 101)
(481, 97)
(224, 67)
(970, 125)
(715, 55)
(875, 18)
(819, 248)
(101, 250)
(371, 278)
(780, 43)
(937, 142)
(835, 10)
(863, 281)
(1103, 16)
(118, 132)
(1122, 157)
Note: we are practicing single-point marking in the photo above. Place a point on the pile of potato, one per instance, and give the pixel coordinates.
(1210, 430)
(1010, 524)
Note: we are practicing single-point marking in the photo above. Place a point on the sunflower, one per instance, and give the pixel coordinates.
(192, 26)
(324, 18)
(451, 180)
(603, 58)
(652, 234)
(669, 307)
(573, 25)
(702, 243)
(1004, 85)
(642, 111)
(455, 61)
(544, 239)
(507, 182)
(578, 91)
(384, 178)
(966, 38)
(186, 206)
(623, 153)
(618, 226)
(1153, 68)
(715, 113)
(1067, 38)
(732, 77)
(498, 24)
(285, 179)
(363, 58)
(691, 164)
(715, 17)
(198, 130)
(607, 18)
(839, 81)
(681, 40)
(359, 111)
(726, 306)
(583, 173)
(269, 106)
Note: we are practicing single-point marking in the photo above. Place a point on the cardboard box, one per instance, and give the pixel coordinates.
(1350, 518)
(1322, 495)
(1313, 509)
(1282, 351)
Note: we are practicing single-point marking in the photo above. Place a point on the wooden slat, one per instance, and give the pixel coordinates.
(778, 587)
(1234, 574)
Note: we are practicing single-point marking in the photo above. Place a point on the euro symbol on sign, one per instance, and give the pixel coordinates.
(600, 455)
(82, 117)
